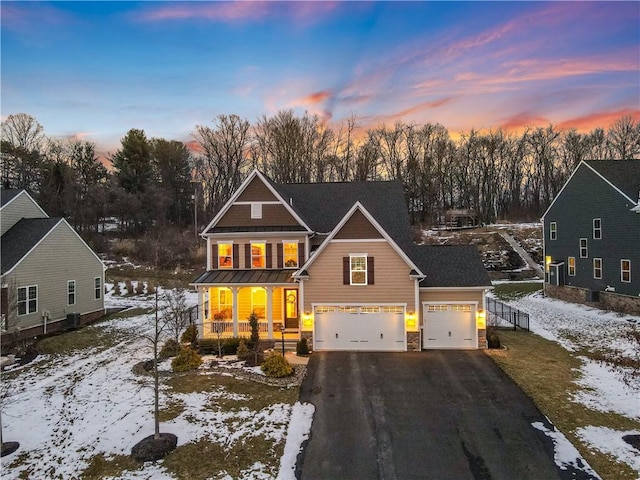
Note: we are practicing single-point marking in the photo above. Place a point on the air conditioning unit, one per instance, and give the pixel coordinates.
(73, 321)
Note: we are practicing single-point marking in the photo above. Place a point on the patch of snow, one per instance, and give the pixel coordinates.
(297, 433)
(564, 453)
(604, 391)
(610, 442)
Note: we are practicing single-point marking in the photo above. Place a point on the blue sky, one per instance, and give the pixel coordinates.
(97, 69)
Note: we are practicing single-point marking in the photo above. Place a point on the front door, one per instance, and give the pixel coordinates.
(291, 318)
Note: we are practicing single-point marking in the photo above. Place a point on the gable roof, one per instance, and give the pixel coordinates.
(20, 239)
(8, 194)
(622, 175)
(450, 265)
(415, 270)
(324, 205)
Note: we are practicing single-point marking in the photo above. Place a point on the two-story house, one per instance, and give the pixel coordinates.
(334, 263)
(592, 236)
(48, 271)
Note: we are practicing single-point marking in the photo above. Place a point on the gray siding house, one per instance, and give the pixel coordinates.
(47, 271)
(592, 236)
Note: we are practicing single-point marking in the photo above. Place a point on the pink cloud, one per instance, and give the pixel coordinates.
(602, 119)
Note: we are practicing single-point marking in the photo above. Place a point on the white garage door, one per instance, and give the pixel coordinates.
(349, 327)
(449, 326)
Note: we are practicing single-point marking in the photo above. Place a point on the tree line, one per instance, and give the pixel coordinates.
(155, 183)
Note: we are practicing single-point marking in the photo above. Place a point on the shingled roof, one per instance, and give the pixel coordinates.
(22, 237)
(624, 174)
(450, 265)
(8, 194)
(323, 205)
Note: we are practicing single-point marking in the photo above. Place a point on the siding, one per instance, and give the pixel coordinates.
(358, 227)
(392, 282)
(60, 257)
(21, 207)
(452, 296)
(584, 198)
(272, 216)
(256, 191)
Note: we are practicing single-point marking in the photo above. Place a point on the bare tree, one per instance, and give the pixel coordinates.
(624, 138)
(175, 313)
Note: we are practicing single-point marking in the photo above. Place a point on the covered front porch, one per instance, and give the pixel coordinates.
(225, 310)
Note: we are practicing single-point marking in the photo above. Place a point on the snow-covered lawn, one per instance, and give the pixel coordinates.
(67, 409)
(580, 329)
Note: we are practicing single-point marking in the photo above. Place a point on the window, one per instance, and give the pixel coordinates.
(358, 270)
(438, 308)
(597, 229)
(597, 268)
(290, 251)
(27, 300)
(71, 292)
(258, 255)
(256, 210)
(625, 271)
(259, 302)
(553, 231)
(97, 287)
(225, 302)
(584, 253)
(225, 255)
(572, 266)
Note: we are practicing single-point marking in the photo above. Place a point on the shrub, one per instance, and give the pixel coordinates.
(151, 288)
(171, 348)
(190, 334)
(129, 287)
(209, 346)
(242, 351)
(116, 288)
(275, 365)
(187, 359)
(493, 340)
(255, 357)
(302, 348)
(139, 287)
(255, 331)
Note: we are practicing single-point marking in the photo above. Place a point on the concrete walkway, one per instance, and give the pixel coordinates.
(523, 254)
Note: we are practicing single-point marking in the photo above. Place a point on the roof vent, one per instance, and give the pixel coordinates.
(291, 201)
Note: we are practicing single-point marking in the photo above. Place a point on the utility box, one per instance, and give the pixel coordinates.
(73, 321)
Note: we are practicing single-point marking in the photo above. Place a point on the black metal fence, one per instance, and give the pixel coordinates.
(515, 317)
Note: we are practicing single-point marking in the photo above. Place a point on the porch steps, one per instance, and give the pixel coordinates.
(289, 345)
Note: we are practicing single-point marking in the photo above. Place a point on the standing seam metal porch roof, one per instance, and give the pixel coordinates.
(258, 277)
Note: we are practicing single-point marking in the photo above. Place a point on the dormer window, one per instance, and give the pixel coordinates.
(256, 210)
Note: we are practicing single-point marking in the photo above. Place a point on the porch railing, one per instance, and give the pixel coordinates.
(227, 327)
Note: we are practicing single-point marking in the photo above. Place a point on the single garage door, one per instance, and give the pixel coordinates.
(353, 327)
(449, 326)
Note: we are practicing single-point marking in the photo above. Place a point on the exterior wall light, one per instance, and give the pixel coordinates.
(481, 319)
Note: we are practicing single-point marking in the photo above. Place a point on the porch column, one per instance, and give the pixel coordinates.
(269, 312)
(234, 307)
(200, 317)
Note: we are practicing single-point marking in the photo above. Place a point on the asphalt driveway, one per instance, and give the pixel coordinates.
(433, 415)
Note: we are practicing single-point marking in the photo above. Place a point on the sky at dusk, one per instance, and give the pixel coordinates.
(97, 69)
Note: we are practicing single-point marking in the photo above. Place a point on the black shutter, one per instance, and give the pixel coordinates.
(236, 255)
(247, 255)
(346, 280)
(370, 276)
(214, 256)
(279, 255)
(269, 255)
(300, 254)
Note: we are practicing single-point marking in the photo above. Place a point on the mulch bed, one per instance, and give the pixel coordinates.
(299, 371)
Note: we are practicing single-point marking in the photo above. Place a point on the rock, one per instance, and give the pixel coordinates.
(9, 447)
(151, 449)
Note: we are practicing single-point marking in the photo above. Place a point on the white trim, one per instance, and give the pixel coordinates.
(368, 216)
(359, 304)
(594, 268)
(474, 312)
(351, 270)
(599, 229)
(435, 289)
(586, 247)
(26, 301)
(416, 302)
(230, 285)
(225, 242)
(243, 186)
(553, 231)
(69, 293)
(284, 266)
(224, 235)
(582, 162)
(256, 210)
(621, 270)
(30, 198)
(95, 289)
(218, 256)
(263, 202)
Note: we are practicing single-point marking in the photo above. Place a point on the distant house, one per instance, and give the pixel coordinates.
(49, 275)
(592, 236)
(334, 263)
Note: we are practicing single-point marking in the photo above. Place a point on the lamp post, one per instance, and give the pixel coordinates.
(282, 334)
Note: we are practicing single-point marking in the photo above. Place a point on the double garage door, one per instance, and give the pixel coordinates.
(449, 326)
(354, 327)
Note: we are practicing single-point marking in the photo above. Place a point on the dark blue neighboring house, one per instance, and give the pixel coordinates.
(592, 236)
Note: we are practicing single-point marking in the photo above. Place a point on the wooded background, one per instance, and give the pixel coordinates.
(155, 184)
